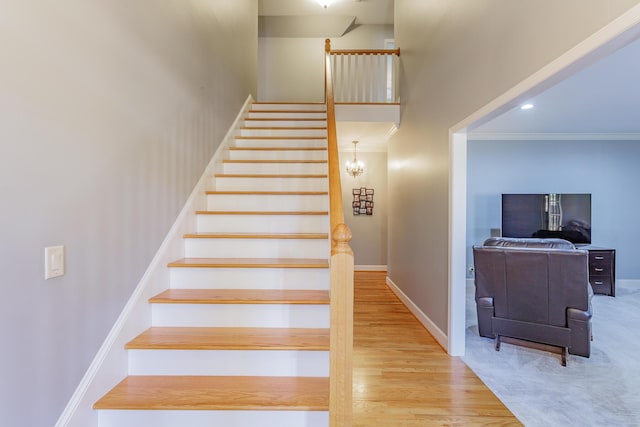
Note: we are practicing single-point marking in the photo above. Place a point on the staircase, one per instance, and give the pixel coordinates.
(241, 338)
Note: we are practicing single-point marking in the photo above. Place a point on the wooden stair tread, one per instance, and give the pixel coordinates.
(221, 235)
(282, 119)
(270, 175)
(274, 161)
(278, 148)
(280, 137)
(262, 213)
(283, 127)
(241, 296)
(218, 393)
(269, 193)
(289, 111)
(250, 263)
(207, 338)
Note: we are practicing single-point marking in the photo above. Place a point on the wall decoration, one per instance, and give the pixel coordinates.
(362, 201)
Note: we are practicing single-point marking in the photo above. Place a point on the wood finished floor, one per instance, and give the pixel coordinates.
(403, 378)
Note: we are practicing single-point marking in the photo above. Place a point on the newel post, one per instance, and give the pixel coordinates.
(341, 359)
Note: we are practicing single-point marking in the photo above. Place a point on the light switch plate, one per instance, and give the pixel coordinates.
(53, 262)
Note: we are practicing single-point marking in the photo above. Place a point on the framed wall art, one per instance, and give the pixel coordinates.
(362, 201)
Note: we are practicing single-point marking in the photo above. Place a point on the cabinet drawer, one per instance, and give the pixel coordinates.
(599, 269)
(601, 285)
(600, 257)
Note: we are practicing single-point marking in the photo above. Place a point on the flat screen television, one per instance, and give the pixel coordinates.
(565, 216)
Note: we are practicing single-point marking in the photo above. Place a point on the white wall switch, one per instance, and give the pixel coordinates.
(53, 261)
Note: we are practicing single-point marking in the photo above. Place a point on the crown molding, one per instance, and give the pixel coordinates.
(559, 136)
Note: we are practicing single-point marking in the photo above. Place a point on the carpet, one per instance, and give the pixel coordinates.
(601, 390)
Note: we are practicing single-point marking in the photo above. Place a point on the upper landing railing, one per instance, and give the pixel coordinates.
(365, 76)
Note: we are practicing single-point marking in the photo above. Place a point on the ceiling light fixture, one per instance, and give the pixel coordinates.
(526, 106)
(324, 3)
(355, 168)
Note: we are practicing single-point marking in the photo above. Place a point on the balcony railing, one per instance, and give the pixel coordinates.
(365, 76)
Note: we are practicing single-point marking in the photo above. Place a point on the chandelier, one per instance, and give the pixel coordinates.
(355, 168)
(324, 3)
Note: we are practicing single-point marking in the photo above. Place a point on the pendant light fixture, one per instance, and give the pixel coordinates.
(355, 168)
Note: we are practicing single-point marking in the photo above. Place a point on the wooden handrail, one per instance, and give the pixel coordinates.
(341, 277)
(366, 52)
(335, 187)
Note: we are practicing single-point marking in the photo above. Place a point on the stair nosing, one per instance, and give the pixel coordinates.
(282, 137)
(269, 193)
(275, 161)
(283, 128)
(242, 296)
(234, 338)
(249, 263)
(248, 235)
(271, 175)
(277, 148)
(310, 213)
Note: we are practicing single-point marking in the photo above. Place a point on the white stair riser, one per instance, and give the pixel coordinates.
(268, 202)
(256, 248)
(289, 107)
(275, 168)
(145, 418)
(321, 133)
(285, 115)
(281, 363)
(281, 143)
(284, 123)
(241, 315)
(263, 223)
(250, 278)
(271, 184)
(278, 154)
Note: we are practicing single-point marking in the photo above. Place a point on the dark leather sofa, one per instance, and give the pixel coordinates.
(535, 290)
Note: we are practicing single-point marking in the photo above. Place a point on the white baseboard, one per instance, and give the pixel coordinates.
(370, 268)
(433, 329)
(628, 283)
(110, 365)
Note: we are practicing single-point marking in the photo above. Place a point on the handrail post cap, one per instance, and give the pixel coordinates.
(341, 234)
(327, 45)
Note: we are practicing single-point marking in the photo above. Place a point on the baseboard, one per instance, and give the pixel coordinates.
(370, 268)
(433, 329)
(628, 283)
(110, 365)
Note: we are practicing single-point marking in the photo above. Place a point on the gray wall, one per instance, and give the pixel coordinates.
(369, 242)
(457, 55)
(291, 69)
(606, 169)
(109, 112)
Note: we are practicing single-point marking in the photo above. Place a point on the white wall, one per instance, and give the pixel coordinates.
(456, 57)
(292, 69)
(369, 242)
(109, 112)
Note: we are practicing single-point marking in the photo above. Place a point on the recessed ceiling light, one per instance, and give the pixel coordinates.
(526, 106)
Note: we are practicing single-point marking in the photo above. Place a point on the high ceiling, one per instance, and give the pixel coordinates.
(365, 11)
(600, 101)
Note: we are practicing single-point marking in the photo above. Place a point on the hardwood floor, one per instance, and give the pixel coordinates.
(402, 377)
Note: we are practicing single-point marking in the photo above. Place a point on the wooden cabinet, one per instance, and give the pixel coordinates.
(602, 270)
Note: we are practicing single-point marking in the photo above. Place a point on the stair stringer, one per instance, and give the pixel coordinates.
(110, 363)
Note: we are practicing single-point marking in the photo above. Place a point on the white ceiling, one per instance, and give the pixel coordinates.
(371, 136)
(602, 100)
(364, 11)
